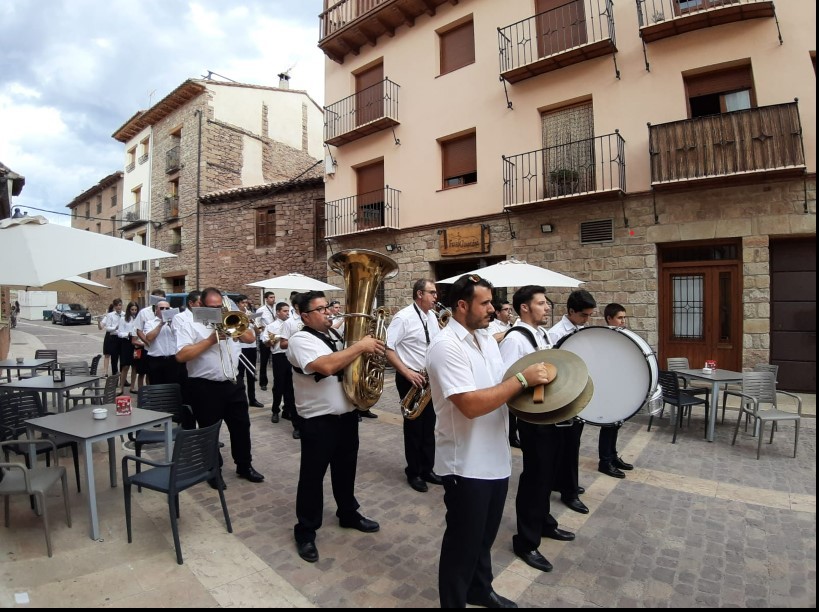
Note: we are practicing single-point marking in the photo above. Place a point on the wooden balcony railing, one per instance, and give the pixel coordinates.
(583, 168)
(568, 34)
(370, 110)
(764, 139)
(363, 212)
(660, 19)
(172, 159)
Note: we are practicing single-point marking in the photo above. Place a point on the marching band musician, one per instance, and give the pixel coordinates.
(471, 450)
(290, 327)
(502, 322)
(163, 367)
(540, 444)
(408, 336)
(329, 428)
(268, 315)
(579, 308)
(282, 374)
(211, 393)
(249, 350)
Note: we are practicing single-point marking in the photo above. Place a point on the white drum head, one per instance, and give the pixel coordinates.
(623, 368)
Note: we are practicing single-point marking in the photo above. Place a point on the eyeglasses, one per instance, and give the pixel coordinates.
(164, 307)
(431, 292)
(318, 309)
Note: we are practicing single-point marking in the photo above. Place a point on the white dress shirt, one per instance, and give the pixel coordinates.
(164, 345)
(268, 314)
(517, 345)
(209, 364)
(314, 398)
(405, 335)
(274, 329)
(497, 327)
(562, 328)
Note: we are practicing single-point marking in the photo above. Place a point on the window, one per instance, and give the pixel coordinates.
(459, 159)
(87, 210)
(720, 91)
(130, 163)
(144, 147)
(99, 203)
(99, 227)
(266, 227)
(457, 47)
(319, 225)
(113, 197)
(107, 272)
(137, 191)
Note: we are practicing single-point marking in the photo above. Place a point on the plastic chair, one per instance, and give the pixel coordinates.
(95, 362)
(17, 479)
(690, 387)
(195, 460)
(760, 367)
(107, 394)
(759, 389)
(680, 399)
(41, 354)
(76, 368)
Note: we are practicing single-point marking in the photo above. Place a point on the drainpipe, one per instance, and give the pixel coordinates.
(198, 193)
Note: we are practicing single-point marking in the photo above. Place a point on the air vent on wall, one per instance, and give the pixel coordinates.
(597, 231)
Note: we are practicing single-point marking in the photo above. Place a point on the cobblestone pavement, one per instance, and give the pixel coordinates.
(696, 524)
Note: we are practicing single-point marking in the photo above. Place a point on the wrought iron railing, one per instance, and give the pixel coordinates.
(172, 159)
(365, 211)
(133, 214)
(171, 207)
(577, 168)
(766, 138)
(132, 268)
(379, 101)
(576, 23)
(653, 12)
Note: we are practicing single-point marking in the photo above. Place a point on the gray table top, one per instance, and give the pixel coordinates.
(82, 425)
(715, 376)
(26, 363)
(46, 383)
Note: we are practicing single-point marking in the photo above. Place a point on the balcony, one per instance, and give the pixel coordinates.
(171, 207)
(660, 19)
(172, 160)
(135, 268)
(583, 170)
(370, 110)
(133, 215)
(767, 139)
(569, 34)
(175, 247)
(348, 25)
(376, 210)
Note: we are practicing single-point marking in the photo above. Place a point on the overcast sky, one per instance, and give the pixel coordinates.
(73, 71)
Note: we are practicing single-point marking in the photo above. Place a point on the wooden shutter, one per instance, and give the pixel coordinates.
(458, 47)
(722, 81)
(265, 227)
(369, 99)
(370, 199)
(459, 156)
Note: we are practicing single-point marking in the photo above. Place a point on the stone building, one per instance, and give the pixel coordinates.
(662, 152)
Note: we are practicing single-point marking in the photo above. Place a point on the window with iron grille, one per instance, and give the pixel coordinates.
(457, 46)
(266, 227)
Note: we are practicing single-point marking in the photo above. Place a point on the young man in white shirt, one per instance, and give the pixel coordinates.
(268, 315)
(502, 321)
(282, 373)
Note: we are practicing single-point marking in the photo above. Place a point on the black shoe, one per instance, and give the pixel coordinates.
(609, 470)
(417, 483)
(286, 416)
(263, 387)
(619, 463)
(248, 473)
(581, 490)
(256, 404)
(514, 442)
(432, 478)
(362, 523)
(576, 505)
(368, 414)
(296, 434)
(274, 418)
(307, 551)
(492, 600)
(214, 483)
(533, 558)
(561, 535)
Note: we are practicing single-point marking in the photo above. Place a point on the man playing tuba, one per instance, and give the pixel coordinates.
(408, 336)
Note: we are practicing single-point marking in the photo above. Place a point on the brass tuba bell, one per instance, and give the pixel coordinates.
(363, 272)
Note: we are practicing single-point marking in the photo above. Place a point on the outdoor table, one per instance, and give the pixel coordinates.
(717, 378)
(79, 425)
(27, 364)
(46, 384)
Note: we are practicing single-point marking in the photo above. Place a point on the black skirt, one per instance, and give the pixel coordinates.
(126, 354)
(110, 344)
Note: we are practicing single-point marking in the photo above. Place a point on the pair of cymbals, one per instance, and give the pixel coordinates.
(563, 398)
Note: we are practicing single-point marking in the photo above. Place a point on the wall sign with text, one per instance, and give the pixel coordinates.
(464, 239)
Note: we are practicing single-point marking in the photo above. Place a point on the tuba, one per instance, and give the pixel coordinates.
(363, 272)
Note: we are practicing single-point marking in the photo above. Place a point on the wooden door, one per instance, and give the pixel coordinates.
(370, 196)
(369, 96)
(559, 25)
(701, 314)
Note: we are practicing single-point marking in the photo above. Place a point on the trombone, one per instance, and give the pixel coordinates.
(234, 323)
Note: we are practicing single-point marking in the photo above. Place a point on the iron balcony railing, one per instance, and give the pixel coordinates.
(363, 212)
(135, 267)
(172, 159)
(578, 168)
(367, 111)
(136, 213)
(763, 139)
(171, 207)
(663, 18)
(581, 29)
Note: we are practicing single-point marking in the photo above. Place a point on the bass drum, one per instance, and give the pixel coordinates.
(623, 368)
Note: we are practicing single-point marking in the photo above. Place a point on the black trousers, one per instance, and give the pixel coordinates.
(225, 400)
(542, 446)
(246, 374)
(513, 426)
(163, 370)
(326, 441)
(607, 444)
(474, 509)
(264, 357)
(566, 481)
(419, 435)
(283, 385)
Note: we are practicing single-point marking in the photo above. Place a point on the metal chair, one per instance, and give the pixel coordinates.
(759, 389)
(680, 399)
(18, 479)
(107, 394)
(195, 460)
(690, 387)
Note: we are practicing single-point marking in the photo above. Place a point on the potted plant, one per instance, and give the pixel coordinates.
(565, 180)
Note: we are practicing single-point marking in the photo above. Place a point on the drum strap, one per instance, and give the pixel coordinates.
(525, 332)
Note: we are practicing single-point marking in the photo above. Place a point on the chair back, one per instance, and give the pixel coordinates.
(678, 363)
(670, 385)
(76, 368)
(95, 362)
(45, 354)
(195, 456)
(162, 398)
(767, 367)
(15, 409)
(760, 385)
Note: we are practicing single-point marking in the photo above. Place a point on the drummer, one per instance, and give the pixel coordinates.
(541, 444)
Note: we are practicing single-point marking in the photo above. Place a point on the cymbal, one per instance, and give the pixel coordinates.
(572, 378)
(561, 414)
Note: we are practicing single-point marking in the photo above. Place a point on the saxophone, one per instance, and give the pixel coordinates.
(363, 272)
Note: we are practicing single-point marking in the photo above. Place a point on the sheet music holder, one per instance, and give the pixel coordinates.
(168, 315)
(155, 299)
(207, 316)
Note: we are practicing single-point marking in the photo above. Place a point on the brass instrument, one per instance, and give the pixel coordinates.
(443, 314)
(234, 324)
(363, 272)
(416, 399)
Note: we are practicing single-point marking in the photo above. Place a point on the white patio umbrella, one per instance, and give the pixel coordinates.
(72, 283)
(517, 273)
(34, 252)
(295, 282)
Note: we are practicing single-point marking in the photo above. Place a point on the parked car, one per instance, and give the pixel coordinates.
(65, 314)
